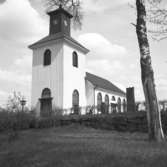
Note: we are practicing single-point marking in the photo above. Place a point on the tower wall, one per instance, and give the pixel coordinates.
(74, 78)
(50, 76)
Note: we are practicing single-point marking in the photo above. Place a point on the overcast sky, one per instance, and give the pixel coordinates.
(107, 32)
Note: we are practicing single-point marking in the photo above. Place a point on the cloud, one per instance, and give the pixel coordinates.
(2, 1)
(19, 22)
(14, 77)
(103, 58)
(11, 81)
(106, 67)
(20, 25)
(23, 64)
(102, 5)
(161, 86)
(100, 47)
(4, 96)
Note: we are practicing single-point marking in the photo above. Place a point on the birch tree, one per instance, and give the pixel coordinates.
(147, 74)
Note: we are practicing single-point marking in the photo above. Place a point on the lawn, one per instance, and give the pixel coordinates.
(77, 146)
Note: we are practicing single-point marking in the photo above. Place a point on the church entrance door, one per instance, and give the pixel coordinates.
(46, 103)
(46, 107)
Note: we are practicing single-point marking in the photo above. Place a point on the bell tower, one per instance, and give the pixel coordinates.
(60, 21)
(58, 68)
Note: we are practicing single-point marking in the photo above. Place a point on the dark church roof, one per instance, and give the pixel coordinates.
(103, 83)
(55, 37)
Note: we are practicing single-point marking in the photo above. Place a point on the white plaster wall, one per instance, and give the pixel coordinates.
(48, 76)
(74, 78)
(90, 93)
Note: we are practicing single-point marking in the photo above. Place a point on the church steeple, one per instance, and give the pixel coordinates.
(60, 21)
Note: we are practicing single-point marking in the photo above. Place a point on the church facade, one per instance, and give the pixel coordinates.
(59, 79)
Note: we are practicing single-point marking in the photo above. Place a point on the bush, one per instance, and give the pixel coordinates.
(44, 123)
(15, 120)
(129, 122)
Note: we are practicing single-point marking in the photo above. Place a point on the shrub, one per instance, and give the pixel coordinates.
(15, 120)
(131, 122)
(48, 122)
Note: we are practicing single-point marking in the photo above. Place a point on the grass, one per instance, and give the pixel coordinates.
(77, 146)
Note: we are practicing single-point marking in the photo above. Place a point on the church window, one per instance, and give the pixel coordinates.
(75, 59)
(113, 98)
(106, 104)
(99, 102)
(119, 104)
(47, 58)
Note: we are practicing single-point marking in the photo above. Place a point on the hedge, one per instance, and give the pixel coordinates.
(126, 122)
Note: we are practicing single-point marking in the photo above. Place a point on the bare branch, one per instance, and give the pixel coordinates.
(157, 19)
(134, 25)
(72, 6)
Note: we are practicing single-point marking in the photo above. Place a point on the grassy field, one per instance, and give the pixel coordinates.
(76, 146)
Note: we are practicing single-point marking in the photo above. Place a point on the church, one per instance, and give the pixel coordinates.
(59, 80)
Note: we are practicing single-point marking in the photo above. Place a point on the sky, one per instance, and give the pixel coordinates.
(106, 31)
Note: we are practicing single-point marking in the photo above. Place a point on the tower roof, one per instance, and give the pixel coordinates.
(57, 37)
(60, 10)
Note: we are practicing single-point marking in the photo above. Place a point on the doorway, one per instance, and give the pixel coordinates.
(46, 103)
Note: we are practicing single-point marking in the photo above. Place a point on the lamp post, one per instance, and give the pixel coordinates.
(23, 103)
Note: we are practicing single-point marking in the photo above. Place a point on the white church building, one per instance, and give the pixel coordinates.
(59, 79)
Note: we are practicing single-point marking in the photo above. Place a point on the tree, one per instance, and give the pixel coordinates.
(157, 18)
(147, 75)
(13, 104)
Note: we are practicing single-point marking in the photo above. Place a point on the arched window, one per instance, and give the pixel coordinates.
(106, 104)
(75, 59)
(113, 98)
(47, 58)
(124, 105)
(46, 93)
(75, 101)
(119, 104)
(99, 101)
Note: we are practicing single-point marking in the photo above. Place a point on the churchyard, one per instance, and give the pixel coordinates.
(99, 140)
(77, 145)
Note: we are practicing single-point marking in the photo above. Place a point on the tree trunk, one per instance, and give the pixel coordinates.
(153, 111)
